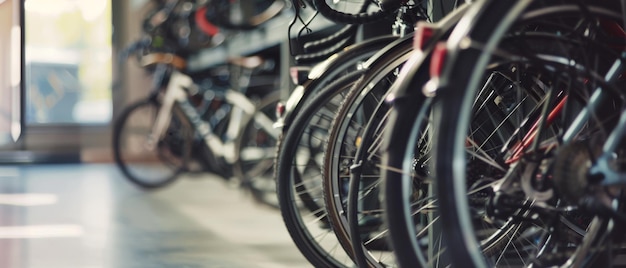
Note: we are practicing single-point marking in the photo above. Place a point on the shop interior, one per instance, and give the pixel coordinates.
(312, 133)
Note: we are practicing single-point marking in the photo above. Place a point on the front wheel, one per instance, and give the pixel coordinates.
(150, 166)
(299, 177)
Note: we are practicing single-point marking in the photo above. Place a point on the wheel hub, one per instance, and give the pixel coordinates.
(571, 168)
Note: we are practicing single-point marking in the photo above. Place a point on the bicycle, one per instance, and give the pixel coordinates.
(355, 146)
(517, 126)
(299, 151)
(352, 170)
(219, 122)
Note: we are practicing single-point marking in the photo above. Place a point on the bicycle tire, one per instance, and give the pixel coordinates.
(323, 74)
(405, 159)
(398, 185)
(176, 146)
(304, 223)
(374, 82)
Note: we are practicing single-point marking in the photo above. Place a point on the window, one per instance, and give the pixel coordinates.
(68, 62)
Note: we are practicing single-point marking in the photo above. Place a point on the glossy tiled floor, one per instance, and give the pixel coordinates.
(66, 216)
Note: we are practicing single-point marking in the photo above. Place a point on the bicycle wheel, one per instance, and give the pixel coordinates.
(515, 76)
(362, 107)
(323, 74)
(144, 163)
(333, 69)
(410, 202)
(402, 148)
(256, 146)
(299, 182)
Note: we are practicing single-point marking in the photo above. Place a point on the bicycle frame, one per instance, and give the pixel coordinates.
(177, 95)
(602, 167)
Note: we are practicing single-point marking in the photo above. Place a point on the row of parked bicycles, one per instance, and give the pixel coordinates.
(217, 119)
(489, 133)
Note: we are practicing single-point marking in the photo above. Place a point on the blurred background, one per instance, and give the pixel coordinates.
(56, 77)
(63, 203)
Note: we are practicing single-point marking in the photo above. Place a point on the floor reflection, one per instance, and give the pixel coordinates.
(90, 216)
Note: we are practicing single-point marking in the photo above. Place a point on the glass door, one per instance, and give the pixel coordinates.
(55, 79)
(68, 62)
(68, 77)
(11, 75)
